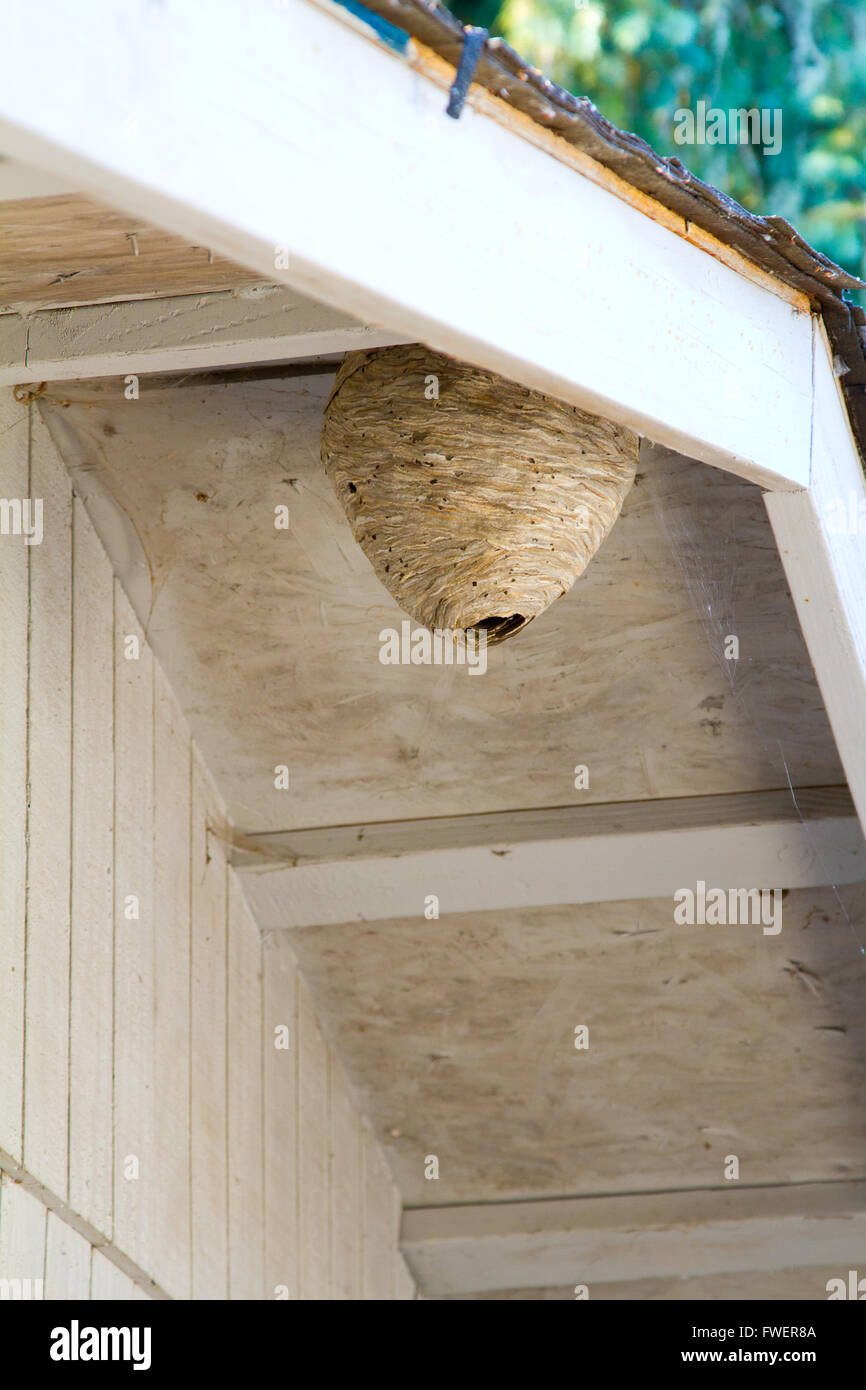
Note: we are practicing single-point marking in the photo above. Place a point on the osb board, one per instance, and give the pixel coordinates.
(67, 250)
(703, 1041)
(271, 637)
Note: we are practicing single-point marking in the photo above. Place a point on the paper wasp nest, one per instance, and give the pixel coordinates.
(478, 502)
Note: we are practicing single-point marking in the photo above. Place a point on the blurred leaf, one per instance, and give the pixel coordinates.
(481, 13)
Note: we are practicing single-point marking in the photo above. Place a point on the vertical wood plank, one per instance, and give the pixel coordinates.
(67, 1261)
(345, 1188)
(280, 1118)
(22, 1234)
(46, 1059)
(208, 1047)
(397, 1261)
(14, 561)
(136, 1182)
(171, 1069)
(314, 1165)
(92, 903)
(244, 1041)
(379, 1229)
(107, 1282)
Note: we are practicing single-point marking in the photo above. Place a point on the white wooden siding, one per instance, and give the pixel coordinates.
(46, 1036)
(43, 1256)
(346, 1196)
(314, 1139)
(109, 1282)
(246, 1189)
(208, 1130)
(67, 1260)
(381, 1223)
(135, 1176)
(280, 1118)
(14, 561)
(148, 1037)
(91, 996)
(171, 994)
(22, 1233)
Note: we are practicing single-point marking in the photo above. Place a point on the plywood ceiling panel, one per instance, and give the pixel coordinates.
(271, 637)
(703, 1042)
(66, 250)
(459, 1032)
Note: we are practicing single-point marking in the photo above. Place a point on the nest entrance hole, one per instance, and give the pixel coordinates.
(498, 628)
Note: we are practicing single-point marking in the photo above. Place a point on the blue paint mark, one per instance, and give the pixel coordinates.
(395, 38)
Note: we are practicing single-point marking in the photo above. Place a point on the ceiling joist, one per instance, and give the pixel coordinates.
(600, 1240)
(179, 334)
(570, 854)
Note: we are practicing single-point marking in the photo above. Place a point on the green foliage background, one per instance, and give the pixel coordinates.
(639, 60)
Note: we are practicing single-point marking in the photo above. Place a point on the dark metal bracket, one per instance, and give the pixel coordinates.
(474, 40)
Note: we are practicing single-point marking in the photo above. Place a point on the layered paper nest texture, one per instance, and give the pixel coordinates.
(478, 502)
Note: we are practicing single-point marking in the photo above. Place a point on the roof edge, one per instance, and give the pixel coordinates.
(770, 243)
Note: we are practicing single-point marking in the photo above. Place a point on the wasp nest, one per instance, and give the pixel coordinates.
(477, 501)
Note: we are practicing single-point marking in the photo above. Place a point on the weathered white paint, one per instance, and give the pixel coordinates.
(171, 991)
(314, 1110)
(22, 1232)
(245, 1099)
(381, 1223)
(592, 1240)
(346, 1193)
(134, 1168)
(182, 333)
(14, 561)
(46, 1035)
(67, 1261)
(563, 855)
(46, 1235)
(280, 1148)
(824, 555)
(110, 996)
(91, 993)
(208, 1120)
(108, 1283)
(23, 181)
(610, 309)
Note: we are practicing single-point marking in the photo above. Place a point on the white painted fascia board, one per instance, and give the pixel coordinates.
(594, 1240)
(821, 535)
(283, 133)
(182, 333)
(19, 181)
